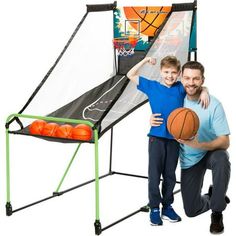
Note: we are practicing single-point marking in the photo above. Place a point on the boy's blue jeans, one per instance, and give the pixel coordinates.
(163, 159)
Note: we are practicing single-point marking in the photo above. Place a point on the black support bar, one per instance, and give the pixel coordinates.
(55, 194)
(10, 211)
(134, 175)
(130, 175)
(184, 6)
(80, 185)
(142, 209)
(101, 7)
(32, 204)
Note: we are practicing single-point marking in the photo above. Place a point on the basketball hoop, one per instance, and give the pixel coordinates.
(125, 46)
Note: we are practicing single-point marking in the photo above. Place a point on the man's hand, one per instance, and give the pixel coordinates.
(156, 120)
(221, 142)
(194, 143)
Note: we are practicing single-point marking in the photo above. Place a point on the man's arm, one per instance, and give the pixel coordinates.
(221, 142)
(133, 74)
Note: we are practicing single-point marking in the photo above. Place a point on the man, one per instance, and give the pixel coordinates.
(206, 151)
(163, 149)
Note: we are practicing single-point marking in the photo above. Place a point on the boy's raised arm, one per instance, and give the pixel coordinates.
(133, 73)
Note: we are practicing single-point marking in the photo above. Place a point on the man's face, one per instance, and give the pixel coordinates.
(192, 81)
(169, 75)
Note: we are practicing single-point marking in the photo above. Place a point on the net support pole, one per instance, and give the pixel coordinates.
(50, 70)
(67, 169)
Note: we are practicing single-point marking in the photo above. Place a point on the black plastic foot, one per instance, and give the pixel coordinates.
(57, 194)
(8, 209)
(98, 227)
(145, 209)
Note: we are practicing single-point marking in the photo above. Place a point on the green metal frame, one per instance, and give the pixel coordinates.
(55, 119)
(97, 224)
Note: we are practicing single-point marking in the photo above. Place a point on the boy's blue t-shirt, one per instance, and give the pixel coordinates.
(213, 123)
(162, 100)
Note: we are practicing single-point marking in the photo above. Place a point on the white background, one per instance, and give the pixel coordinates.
(33, 34)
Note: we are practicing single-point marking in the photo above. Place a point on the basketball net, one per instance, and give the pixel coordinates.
(125, 46)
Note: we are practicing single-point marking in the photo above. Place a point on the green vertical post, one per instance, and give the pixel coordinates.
(7, 167)
(96, 174)
(8, 204)
(97, 223)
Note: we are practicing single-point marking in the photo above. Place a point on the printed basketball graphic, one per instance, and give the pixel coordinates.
(146, 20)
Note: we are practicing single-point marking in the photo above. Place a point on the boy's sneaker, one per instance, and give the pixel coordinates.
(155, 217)
(217, 225)
(168, 213)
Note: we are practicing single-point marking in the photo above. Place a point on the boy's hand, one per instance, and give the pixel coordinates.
(155, 120)
(204, 98)
(151, 60)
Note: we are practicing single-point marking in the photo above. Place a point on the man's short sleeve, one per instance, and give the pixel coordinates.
(219, 121)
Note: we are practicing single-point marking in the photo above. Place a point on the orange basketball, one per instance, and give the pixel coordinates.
(183, 123)
(82, 132)
(150, 18)
(37, 126)
(50, 129)
(64, 131)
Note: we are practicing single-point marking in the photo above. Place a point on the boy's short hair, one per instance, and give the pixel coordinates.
(195, 65)
(170, 61)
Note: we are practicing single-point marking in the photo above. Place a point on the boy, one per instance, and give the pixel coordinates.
(164, 97)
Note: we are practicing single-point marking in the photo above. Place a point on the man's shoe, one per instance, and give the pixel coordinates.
(155, 217)
(168, 213)
(217, 225)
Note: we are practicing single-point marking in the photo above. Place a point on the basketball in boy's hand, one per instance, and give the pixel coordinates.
(183, 123)
(36, 127)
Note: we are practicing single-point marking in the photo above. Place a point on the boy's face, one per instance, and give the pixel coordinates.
(169, 75)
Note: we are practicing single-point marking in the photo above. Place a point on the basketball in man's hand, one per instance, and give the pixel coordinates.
(183, 123)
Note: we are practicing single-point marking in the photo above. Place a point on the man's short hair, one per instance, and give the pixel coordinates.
(170, 61)
(195, 65)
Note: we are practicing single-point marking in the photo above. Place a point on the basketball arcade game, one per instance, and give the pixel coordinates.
(138, 32)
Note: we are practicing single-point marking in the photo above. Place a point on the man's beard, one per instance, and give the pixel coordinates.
(193, 90)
